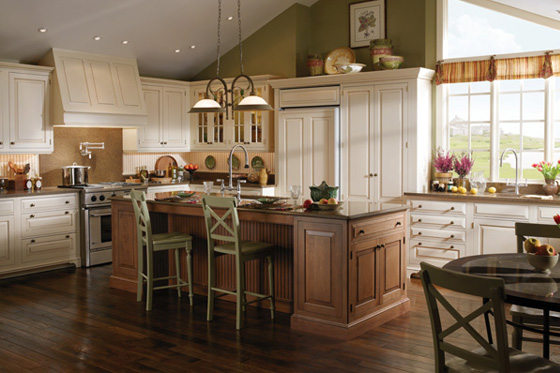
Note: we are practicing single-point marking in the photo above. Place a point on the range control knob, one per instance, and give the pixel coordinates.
(93, 198)
(102, 198)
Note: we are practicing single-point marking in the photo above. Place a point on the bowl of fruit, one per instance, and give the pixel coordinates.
(328, 204)
(542, 257)
(191, 168)
(323, 191)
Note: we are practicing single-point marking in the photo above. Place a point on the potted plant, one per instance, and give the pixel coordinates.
(462, 166)
(443, 163)
(549, 171)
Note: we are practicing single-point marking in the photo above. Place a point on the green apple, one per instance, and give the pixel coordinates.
(531, 245)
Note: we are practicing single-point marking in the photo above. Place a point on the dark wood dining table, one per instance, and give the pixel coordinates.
(523, 285)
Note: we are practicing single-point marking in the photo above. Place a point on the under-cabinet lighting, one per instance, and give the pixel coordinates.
(125, 42)
(43, 30)
(97, 38)
(177, 50)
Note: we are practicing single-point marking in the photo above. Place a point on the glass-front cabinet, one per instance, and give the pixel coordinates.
(249, 128)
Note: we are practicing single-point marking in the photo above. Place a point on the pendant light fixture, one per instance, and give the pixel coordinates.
(210, 102)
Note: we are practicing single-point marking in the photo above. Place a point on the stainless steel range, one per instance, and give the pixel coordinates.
(96, 245)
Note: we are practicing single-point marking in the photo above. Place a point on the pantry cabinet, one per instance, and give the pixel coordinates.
(167, 129)
(307, 148)
(252, 129)
(38, 232)
(25, 103)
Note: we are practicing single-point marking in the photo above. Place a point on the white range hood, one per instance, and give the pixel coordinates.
(92, 90)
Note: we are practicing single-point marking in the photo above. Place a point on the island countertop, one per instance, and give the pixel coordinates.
(35, 193)
(346, 211)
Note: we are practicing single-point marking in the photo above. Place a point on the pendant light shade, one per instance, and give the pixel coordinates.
(253, 103)
(207, 105)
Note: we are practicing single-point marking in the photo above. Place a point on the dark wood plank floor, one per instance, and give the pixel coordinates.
(70, 320)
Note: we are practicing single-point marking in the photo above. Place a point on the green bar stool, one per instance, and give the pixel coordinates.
(225, 228)
(149, 243)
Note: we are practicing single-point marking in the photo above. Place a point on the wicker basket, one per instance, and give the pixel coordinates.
(443, 177)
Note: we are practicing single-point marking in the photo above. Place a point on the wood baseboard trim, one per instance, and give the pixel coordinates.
(350, 331)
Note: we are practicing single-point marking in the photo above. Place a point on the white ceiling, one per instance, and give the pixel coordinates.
(154, 29)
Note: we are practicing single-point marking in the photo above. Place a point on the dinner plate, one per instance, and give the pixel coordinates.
(343, 55)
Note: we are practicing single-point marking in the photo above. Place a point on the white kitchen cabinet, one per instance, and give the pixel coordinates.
(249, 128)
(38, 232)
(494, 236)
(167, 129)
(25, 102)
(307, 148)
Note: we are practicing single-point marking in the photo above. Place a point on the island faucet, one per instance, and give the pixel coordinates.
(516, 167)
(230, 186)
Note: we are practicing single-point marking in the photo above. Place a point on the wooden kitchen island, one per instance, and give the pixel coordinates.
(340, 273)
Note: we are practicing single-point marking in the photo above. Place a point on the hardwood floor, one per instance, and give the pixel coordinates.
(70, 320)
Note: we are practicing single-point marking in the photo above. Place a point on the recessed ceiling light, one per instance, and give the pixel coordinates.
(97, 38)
(177, 50)
(124, 42)
(229, 18)
(43, 30)
(193, 46)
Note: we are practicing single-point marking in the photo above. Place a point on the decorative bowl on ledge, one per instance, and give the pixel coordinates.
(322, 191)
(391, 62)
(349, 68)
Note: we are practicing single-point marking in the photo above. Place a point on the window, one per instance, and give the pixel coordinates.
(486, 118)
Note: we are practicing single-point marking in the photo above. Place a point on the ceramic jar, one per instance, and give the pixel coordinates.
(263, 177)
(550, 187)
(380, 48)
(315, 64)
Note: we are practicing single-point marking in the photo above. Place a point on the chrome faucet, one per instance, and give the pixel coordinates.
(230, 186)
(516, 167)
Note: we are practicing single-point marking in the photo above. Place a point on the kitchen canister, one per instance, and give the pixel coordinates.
(380, 48)
(315, 64)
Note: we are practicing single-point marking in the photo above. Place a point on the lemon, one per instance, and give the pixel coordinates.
(462, 190)
(474, 190)
(454, 189)
(491, 190)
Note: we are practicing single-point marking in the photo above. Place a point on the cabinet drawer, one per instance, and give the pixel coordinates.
(545, 214)
(304, 97)
(440, 206)
(447, 221)
(66, 201)
(6, 206)
(51, 222)
(446, 234)
(377, 226)
(507, 211)
(435, 253)
(49, 248)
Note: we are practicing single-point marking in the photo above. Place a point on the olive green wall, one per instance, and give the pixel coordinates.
(281, 46)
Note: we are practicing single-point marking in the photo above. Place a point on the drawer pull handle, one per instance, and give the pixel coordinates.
(419, 243)
(419, 206)
(452, 208)
(31, 216)
(451, 222)
(419, 233)
(32, 241)
(452, 236)
(67, 236)
(67, 202)
(361, 232)
(32, 205)
(66, 212)
(419, 220)
(12, 143)
(1, 142)
(451, 247)
(398, 223)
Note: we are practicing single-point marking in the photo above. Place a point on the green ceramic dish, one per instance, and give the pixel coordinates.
(268, 200)
(257, 162)
(186, 194)
(235, 164)
(210, 162)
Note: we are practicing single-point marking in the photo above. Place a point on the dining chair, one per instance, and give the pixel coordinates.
(527, 316)
(487, 357)
(225, 229)
(149, 243)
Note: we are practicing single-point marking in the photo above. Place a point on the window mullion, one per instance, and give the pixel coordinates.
(494, 132)
(549, 135)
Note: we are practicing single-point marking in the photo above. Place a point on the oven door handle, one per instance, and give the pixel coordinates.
(99, 215)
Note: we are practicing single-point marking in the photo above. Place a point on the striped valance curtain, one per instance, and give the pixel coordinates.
(543, 66)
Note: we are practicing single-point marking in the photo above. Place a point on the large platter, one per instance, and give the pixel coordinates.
(343, 55)
(327, 206)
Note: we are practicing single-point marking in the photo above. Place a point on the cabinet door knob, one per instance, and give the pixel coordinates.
(66, 212)
(451, 247)
(419, 220)
(32, 205)
(452, 208)
(67, 236)
(1, 142)
(419, 233)
(67, 202)
(31, 216)
(398, 223)
(419, 243)
(165, 143)
(419, 206)
(32, 241)
(361, 232)
(12, 143)
(452, 236)
(451, 222)
(382, 246)
(371, 175)
(375, 174)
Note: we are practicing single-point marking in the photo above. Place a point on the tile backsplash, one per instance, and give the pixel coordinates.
(20, 160)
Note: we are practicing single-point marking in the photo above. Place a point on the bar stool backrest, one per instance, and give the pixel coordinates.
(143, 223)
(223, 227)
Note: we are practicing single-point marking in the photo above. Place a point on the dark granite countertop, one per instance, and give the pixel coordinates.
(487, 198)
(43, 192)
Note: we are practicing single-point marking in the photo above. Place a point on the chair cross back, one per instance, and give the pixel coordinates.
(534, 230)
(484, 287)
(209, 204)
(143, 222)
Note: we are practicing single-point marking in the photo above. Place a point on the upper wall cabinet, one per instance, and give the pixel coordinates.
(95, 90)
(24, 99)
(218, 132)
(167, 104)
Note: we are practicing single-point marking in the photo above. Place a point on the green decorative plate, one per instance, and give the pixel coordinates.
(235, 164)
(210, 162)
(257, 162)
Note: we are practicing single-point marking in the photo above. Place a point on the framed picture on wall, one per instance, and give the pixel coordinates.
(367, 22)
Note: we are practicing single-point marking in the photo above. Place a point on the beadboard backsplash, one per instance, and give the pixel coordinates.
(20, 160)
(133, 160)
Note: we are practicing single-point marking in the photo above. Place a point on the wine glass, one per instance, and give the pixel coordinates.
(295, 191)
